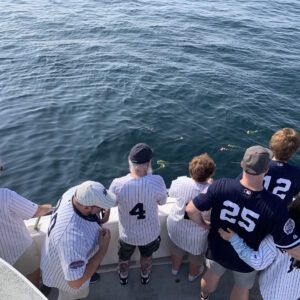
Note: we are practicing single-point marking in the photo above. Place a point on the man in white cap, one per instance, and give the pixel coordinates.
(76, 243)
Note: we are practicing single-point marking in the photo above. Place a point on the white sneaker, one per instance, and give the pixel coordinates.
(174, 272)
(192, 278)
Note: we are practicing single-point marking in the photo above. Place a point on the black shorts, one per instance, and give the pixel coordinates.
(126, 250)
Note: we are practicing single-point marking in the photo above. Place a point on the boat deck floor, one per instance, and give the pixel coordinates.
(162, 286)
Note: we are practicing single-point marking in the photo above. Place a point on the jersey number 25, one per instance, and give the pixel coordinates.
(233, 210)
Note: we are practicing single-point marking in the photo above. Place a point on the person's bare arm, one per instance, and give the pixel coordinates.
(95, 261)
(43, 210)
(294, 252)
(195, 215)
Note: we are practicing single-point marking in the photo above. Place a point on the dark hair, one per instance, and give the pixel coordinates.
(294, 211)
(202, 167)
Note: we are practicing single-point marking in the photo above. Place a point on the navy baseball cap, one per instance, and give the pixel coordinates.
(140, 153)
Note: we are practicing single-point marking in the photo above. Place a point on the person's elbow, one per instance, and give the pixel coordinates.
(191, 209)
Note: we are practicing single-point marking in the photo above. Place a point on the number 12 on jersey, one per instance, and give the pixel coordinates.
(139, 211)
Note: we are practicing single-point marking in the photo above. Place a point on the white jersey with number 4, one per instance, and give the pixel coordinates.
(138, 201)
(14, 236)
(70, 242)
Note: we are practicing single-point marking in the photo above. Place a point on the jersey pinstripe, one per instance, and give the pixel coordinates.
(279, 280)
(15, 238)
(186, 234)
(70, 242)
(138, 201)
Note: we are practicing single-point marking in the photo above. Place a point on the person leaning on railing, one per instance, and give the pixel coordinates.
(16, 244)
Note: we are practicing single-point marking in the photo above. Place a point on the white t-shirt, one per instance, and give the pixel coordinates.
(138, 201)
(70, 242)
(186, 234)
(15, 238)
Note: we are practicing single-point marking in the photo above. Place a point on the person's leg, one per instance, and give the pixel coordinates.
(243, 282)
(177, 255)
(34, 277)
(211, 278)
(196, 267)
(238, 293)
(146, 259)
(125, 252)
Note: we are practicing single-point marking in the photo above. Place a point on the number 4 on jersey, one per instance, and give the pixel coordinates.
(139, 211)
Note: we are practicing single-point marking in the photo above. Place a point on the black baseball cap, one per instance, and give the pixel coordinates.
(256, 160)
(140, 153)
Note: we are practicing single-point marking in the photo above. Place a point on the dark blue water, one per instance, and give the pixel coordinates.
(83, 81)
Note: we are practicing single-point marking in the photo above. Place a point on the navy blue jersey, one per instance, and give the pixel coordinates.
(252, 215)
(282, 180)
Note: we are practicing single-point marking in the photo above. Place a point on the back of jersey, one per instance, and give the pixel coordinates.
(137, 201)
(283, 180)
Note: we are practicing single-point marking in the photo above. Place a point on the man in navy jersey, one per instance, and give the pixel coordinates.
(252, 212)
(283, 179)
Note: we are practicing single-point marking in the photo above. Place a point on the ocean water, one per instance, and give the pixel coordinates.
(82, 81)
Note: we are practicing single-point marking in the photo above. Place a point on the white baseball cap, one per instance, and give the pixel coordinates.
(91, 193)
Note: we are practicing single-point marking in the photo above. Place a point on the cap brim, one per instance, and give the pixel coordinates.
(111, 200)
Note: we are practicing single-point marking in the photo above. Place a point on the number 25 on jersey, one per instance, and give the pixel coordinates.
(232, 210)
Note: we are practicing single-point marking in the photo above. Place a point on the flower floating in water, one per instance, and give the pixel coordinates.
(251, 131)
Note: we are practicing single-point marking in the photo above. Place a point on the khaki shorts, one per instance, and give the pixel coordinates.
(29, 261)
(243, 280)
(193, 259)
(63, 295)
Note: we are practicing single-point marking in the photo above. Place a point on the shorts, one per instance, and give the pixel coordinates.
(29, 261)
(193, 259)
(126, 250)
(243, 280)
(63, 295)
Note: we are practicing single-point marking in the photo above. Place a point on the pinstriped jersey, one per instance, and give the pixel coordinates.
(138, 201)
(281, 280)
(15, 238)
(70, 242)
(186, 234)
